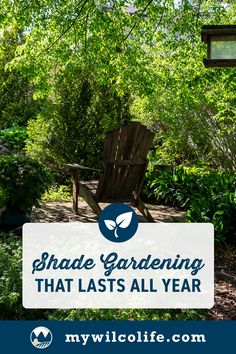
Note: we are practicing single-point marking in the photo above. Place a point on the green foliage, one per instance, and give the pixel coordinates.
(85, 61)
(11, 281)
(16, 92)
(192, 111)
(208, 196)
(15, 136)
(57, 194)
(3, 198)
(10, 276)
(38, 144)
(73, 128)
(23, 180)
(220, 209)
(176, 185)
(125, 314)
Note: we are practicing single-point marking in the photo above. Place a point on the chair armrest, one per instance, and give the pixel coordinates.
(75, 166)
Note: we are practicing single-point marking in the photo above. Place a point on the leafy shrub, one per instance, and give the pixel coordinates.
(209, 196)
(11, 281)
(220, 210)
(73, 127)
(23, 180)
(10, 275)
(126, 314)
(16, 92)
(38, 145)
(179, 185)
(15, 136)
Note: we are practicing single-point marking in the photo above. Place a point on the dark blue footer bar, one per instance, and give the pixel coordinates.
(69, 337)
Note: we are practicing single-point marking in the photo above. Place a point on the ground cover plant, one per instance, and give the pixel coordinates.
(206, 194)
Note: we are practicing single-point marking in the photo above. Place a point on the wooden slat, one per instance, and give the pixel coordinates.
(125, 152)
(74, 174)
(75, 166)
(89, 198)
(91, 185)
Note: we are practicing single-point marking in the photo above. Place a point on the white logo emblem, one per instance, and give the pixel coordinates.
(122, 220)
(41, 337)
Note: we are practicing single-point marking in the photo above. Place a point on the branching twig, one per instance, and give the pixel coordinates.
(135, 23)
(69, 27)
(160, 19)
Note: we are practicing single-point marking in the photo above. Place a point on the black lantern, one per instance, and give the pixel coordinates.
(221, 45)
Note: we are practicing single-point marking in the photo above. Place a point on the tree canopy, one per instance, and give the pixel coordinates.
(146, 49)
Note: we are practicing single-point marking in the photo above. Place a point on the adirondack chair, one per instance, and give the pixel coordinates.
(125, 163)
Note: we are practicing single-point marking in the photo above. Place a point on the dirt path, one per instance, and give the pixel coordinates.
(62, 212)
(225, 261)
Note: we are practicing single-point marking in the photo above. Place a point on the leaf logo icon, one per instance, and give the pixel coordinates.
(110, 224)
(122, 220)
(118, 222)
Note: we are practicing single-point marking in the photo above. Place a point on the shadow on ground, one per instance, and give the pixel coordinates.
(62, 212)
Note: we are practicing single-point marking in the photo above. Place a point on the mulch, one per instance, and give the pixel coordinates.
(225, 258)
(225, 285)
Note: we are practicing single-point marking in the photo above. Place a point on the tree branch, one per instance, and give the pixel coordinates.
(135, 23)
(69, 27)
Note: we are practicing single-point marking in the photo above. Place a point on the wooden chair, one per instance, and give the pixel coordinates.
(125, 163)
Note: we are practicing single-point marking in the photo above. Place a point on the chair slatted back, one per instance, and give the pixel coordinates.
(125, 163)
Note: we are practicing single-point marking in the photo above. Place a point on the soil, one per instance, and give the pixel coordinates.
(225, 258)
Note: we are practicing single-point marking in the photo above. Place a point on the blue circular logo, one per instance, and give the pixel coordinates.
(41, 337)
(118, 222)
